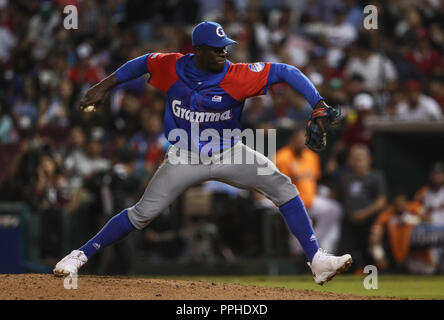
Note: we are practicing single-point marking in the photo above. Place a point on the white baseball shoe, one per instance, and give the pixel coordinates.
(325, 266)
(70, 264)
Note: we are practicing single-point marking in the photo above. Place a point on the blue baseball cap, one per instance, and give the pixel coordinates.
(210, 33)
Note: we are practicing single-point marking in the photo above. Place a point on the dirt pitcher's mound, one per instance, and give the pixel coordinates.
(48, 287)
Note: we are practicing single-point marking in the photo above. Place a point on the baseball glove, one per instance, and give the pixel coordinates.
(333, 115)
(321, 118)
(315, 137)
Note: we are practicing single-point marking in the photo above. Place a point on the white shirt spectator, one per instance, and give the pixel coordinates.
(434, 203)
(297, 48)
(41, 32)
(340, 35)
(7, 42)
(374, 70)
(426, 109)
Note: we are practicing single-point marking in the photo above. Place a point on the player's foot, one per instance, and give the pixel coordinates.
(70, 264)
(325, 266)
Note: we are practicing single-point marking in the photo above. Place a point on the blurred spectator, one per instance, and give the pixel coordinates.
(336, 93)
(425, 58)
(319, 71)
(323, 10)
(404, 68)
(35, 176)
(303, 167)
(84, 73)
(150, 142)
(410, 29)
(163, 239)
(95, 154)
(75, 155)
(287, 46)
(436, 89)
(201, 238)
(358, 133)
(354, 85)
(57, 111)
(377, 70)
(258, 112)
(355, 133)
(209, 10)
(48, 181)
(25, 109)
(362, 191)
(289, 106)
(232, 210)
(50, 198)
(8, 132)
(431, 196)
(217, 187)
(41, 29)
(338, 36)
(355, 13)
(437, 35)
(258, 35)
(83, 158)
(395, 224)
(22, 169)
(416, 105)
(7, 38)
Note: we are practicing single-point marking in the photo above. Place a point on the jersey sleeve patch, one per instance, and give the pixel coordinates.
(162, 70)
(256, 67)
(246, 80)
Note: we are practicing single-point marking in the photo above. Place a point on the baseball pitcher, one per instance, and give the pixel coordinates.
(206, 93)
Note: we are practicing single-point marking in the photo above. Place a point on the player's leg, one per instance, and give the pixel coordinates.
(115, 229)
(327, 215)
(275, 186)
(263, 176)
(169, 181)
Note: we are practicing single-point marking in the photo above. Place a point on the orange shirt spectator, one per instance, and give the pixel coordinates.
(304, 169)
(398, 221)
(398, 228)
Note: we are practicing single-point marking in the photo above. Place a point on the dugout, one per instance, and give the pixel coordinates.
(405, 151)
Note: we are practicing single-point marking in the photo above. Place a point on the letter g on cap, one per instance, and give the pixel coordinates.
(220, 32)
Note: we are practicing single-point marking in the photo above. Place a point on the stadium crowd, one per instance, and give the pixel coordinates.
(63, 162)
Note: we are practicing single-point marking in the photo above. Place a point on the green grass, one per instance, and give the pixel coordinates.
(401, 286)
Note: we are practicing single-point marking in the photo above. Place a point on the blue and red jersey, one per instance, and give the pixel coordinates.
(210, 100)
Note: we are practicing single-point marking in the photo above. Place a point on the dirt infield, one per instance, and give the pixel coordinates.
(48, 287)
